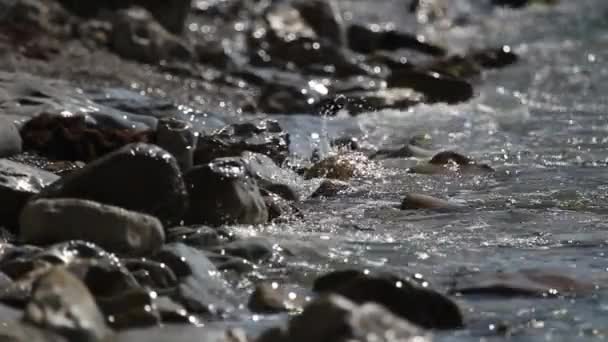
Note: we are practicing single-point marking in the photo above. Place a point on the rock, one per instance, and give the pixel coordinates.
(23, 332)
(330, 188)
(414, 201)
(136, 35)
(434, 86)
(346, 143)
(223, 192)
(522, 3)
(265, 137)
(33, 16)
(449, 162)
(60, 302)
(231, 263)
(18, 182)
(341, 167)
(368, 101)
(201, 289)
(10, 140)
(131, 309)
(178, 138)
(421, 306)
(138, 177)
(495, 58)
(337, 319)
(280, 209)
(272, 178)
(367, 39)
(252, 249)
(181, 333)
(151, 274)
(522, 283)
(7, 314)
(171, 15)
(201, 237)
(105, 278)
(118, 230)
(269, 298)
(71, 138)
(58, 167)
(324, 18)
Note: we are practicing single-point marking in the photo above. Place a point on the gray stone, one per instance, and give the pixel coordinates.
(181, 333)
(118, 230)
(61, 303)
(138, 177)
(223, 192)
(23, 332)
(10, 140)
(283, 182)
(177, 137)
(414, 201)
(18, 182)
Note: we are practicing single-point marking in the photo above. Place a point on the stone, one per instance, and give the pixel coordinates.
(419, 305)
(201, 289)
(171, 15)
(118, 230)
(136, 35)
(330, 188)
(105, 278)
(137, 177)
(367, 39)
(178, 138)
(265, 137)
(269, 298)
(182, 333)
(61, 303)
(324, 18)
(130, 309)
(434, 86)
(252, 249)
(270, 177)
(413, 201)
(523, 283)
(22, 332)
(449, 162)
(18, 182)
(335, 318)
(10, 139)
(151, 274)
(199, 236)
(280, 209)
(341, 167)
(223, 192)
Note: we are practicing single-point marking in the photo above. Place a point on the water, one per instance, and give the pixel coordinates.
(541, 124)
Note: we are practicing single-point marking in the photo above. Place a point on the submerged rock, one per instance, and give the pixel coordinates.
(414, 201)
(223, 192)
(118, 230)
(18, 182)
(421, 306)
(330, 188)
(138, 177)
(434, 86)
(272, 178)
(522, 283)
(335, 318)
(342, 167)
(367, 39)
(60, 302)
(449, 162)
(273, 297)
(10, 140)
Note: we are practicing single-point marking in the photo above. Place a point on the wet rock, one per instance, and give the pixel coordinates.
(223, 192)
(118, 230)
(58, 167)
(324, 18)
(103, 277)
(18, 182)
(201, 289)
(60, 302)
(265, 137)
(272, 297)
(272, 178)
(136, 35)
(410, 150)
(414, 201)
(178, 138)
(434, 86)
(201, 237)
(522, 283)
(449, 162)
(335, 318)
(522, 3)
(181, 333)
(8, 314)
(171, 15)
(252, 249)
(31, 17)
(342, 167)
(330, 188)
(23, 332)
(138, 177)
(421, 306)
(10, 140)
(130, 309)
(369, 101)
(495, 58)
(280, 209)
(151, 274)
(231, 263)
(70, 138)
(367, 39)
(346, 143)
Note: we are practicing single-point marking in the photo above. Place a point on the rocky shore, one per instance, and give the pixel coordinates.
(128, 162)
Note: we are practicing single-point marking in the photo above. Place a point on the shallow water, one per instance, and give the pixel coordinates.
(541, 123)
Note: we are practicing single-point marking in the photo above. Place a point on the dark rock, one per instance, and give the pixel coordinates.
(252, 249)
(178, 138)
(346, 143)
(330, 188)
(18, 182)
(325, 20)
(171, 15)
(367, 39)
(337, 319)
(435, 87)
(341, 166)
(136, 35)
(368, 101)
(130, 309)
(58, 167)
(24, 332)
(118, 230)
(522, 283)
(265, 137)
(103, 277)
(10, 140)
(60, 302)
(201, 288)
(280, 209)
(223, 192)
(138, 177)
(414, 201)
(152, 274)
(231, 263)
(271, 298)
(421, 306)
(448, 162)
(202, 237)
(495, 58)
(272, 178)
(522, 3)
(70, 138)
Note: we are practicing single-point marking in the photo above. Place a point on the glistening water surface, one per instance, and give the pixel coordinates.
(541, 124)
